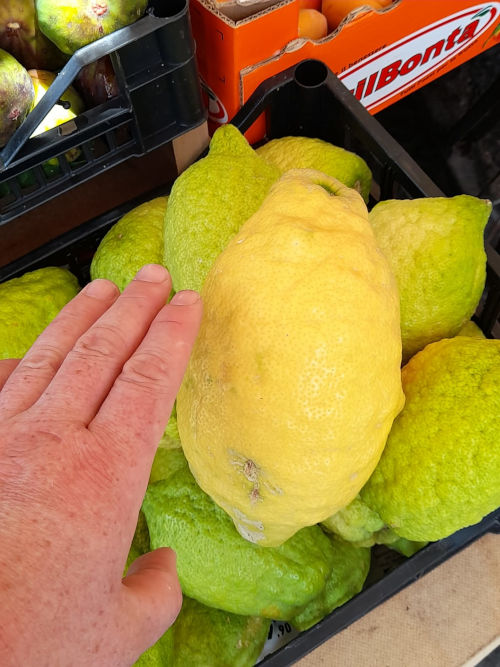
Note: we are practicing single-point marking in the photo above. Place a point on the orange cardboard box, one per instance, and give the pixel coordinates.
(380, 55)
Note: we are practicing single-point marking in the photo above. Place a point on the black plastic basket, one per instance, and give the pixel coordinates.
(308, 100)
(159, 99)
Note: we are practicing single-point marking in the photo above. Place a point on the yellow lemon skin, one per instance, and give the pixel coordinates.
(294, 380)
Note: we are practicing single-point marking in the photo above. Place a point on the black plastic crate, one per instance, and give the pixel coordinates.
(307, 99)
(159, 98)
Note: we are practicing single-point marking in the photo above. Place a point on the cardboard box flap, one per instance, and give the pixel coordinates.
(239, 12)
(380, 55)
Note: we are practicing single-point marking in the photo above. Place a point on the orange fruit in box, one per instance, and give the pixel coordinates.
(312, 24)
(336, 10)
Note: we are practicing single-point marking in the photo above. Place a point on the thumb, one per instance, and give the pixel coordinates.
(152, 596)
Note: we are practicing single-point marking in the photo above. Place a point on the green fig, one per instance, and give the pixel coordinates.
(71, 24)
(16, 95)
(20, 35)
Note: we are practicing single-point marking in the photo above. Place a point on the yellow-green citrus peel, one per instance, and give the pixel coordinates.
(28, 304)
(440, 469)
(435, 248)
(308, 153)
(209, 202)
(135, 240)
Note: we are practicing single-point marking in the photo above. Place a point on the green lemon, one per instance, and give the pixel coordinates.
(135, 240)
(440, 469)
(209, 202)
(361, 526)
(205, 637)
(407, 547)
(160, 654)
(170, 438)
(435, 248)
(201, 636)
(306, 153)
(167, 461)
(355, 523)
(221, 569)
(28, 304)
(471, 329)
(350, 569)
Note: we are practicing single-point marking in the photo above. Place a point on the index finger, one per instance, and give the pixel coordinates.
(139, 403)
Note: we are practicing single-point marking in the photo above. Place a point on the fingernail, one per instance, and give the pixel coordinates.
(101, 289)
(152, 273)
(185, 298)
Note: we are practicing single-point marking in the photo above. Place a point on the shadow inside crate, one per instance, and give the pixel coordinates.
(458, 146)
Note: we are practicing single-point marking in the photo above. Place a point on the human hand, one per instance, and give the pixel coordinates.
(80, 417)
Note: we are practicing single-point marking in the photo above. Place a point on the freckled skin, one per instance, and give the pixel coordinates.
(61, 517)
(74, 466)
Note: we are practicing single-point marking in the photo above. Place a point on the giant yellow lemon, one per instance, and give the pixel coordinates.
(294, 381)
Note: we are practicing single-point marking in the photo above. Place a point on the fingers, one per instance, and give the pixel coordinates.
(139, 403)
(39, 365)
(6, 368)
(97, 357)
(152, 597)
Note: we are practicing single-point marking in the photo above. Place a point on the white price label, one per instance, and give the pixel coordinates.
(280, 633)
